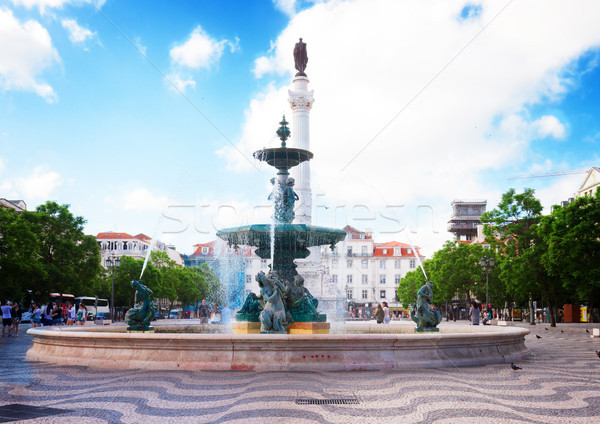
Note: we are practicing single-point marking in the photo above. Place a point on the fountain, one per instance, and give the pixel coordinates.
(283, 242)
(296, 337)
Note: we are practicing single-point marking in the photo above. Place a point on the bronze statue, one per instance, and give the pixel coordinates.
(140, 315)
(300, 58)
(423, 314)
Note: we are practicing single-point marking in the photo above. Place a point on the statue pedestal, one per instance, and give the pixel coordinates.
(245, 327)
(149, 330)
(294, 328)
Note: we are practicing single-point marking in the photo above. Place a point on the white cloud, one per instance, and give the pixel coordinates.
(142, 199)
(549, 126)
(199, 51)
(42, 5)
(40, 185)
(288, 7)
(140, 46)
(378, 140)
(26, 51)
(77, 34)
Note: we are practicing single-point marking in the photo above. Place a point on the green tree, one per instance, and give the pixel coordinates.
(129, 270)
(409, 285)
(513, 229)
(572, 236)
(45, 250)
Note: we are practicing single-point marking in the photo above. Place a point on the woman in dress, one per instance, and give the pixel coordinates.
(386, 313)
(81, 314)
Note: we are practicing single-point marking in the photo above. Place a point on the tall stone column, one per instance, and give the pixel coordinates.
(301, 101)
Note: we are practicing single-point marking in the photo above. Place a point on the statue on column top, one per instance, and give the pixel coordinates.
(300, 58)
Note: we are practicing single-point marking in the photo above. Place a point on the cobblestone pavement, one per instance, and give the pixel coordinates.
(559, 383)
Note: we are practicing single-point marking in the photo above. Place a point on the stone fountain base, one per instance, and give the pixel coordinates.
(112, 347)
(294, 328)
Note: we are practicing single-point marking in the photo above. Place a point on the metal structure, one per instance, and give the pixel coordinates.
(487, 263)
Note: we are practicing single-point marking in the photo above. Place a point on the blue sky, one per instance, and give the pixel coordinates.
(417, 104)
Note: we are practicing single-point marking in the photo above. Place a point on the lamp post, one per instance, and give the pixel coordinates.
(112, 261)
(487, 263)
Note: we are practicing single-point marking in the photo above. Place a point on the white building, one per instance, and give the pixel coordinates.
(591, 183)
(114, 245)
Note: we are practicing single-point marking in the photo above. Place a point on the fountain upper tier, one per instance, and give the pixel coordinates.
(288, 237)
(283, 157)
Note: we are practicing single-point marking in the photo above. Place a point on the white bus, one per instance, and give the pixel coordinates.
(90, 304)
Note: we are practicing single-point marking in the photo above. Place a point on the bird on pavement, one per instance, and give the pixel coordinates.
(514, 367)
(546, 328)
(537, 336)
(561, 331)
(587, 331)
(598, 353)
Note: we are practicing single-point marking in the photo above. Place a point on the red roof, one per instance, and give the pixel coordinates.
(110, 235)
(389, 246)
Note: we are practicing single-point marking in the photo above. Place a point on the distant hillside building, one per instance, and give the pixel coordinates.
(591, 183)
(113, 245)
(465, 217)
(18, 205)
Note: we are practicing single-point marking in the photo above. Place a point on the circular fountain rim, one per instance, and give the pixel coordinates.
(100, 348)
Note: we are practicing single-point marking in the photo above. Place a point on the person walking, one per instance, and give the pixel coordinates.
(6, 318)
(379, 314)
(225, 315)
(474, 313)
(386, 313)
(17, 314)
(71, 314)
(47, 319)
(36, 316)
(57, 315)
(81, 314)
(204, 312)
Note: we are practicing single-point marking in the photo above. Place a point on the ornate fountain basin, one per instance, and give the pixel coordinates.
(288, 237)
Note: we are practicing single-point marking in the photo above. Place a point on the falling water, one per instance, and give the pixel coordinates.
(152, 243)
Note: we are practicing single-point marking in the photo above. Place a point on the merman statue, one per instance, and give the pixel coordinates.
(139, 317)
(423, 314)
(272, 317)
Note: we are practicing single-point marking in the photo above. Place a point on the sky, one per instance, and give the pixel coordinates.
(143, 116)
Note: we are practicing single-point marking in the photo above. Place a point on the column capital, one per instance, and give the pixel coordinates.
(301, 101)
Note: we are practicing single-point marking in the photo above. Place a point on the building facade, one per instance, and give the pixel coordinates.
(465, 218)
(114, 245)
(591, 184)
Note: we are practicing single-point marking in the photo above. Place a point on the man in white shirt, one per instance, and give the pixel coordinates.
(6, 318)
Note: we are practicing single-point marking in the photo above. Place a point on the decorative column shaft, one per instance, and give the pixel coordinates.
(301, 101)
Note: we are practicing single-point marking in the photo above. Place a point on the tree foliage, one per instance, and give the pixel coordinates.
(45, 250)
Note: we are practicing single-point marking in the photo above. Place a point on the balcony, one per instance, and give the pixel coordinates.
(455, 226)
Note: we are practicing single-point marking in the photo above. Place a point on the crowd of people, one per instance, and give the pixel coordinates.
(41, 315)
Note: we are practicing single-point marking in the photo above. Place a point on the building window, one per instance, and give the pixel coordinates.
(349, 279)
(334, 264)
(364, 264)
(364, 251)
(397, 263)
(263, 263)
(334, 278)
(409, 251)
(335, 251)
(397, 251)
(205, 250)
(382, 279)
(413, 264)
(349, 263)
(382, 264)
(382, 294)
(365, 294)
(248, 279)
(397, 278)
(385, 251)
(365, 279)
(349, 294)
(349, 251)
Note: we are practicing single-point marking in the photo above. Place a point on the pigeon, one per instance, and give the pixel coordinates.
(587, 331)
(514, 367)
(598, 353)
(537, 336)
(546, 328)
(561, 331)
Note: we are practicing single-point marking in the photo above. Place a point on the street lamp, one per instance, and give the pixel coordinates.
(112, 261)
(487, 263)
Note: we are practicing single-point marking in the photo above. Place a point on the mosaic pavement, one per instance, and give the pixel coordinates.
(559, 383)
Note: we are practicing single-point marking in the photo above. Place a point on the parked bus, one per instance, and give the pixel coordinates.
(90, 304)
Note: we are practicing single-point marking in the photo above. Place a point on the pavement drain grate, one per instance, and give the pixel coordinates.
(18, 411)
(349, 401)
